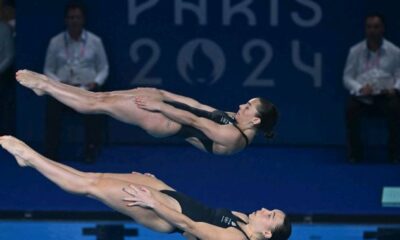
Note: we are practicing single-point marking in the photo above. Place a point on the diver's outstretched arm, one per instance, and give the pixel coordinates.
(143, 197)
(221, 134)
(168, 96)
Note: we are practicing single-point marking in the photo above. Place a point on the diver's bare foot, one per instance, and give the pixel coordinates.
(19, 149)
(32, 80)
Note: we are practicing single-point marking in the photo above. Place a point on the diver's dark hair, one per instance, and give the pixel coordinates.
(283, 231)
(75, 5)
(268, 114)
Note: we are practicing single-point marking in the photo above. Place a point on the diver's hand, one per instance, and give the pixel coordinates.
(139, 196)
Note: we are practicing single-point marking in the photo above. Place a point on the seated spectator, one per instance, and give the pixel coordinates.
(372, 78)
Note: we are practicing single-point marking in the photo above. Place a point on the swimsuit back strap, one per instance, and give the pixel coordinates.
(244, 135)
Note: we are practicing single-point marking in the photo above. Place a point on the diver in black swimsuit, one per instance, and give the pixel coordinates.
(147, 109)
(152, 203)
(212, 130)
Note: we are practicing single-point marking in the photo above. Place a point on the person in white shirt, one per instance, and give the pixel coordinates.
(75, 57)
(372, 77)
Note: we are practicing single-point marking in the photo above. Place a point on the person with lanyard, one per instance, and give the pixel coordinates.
(372, 76)
(75, 57)
(154, 204)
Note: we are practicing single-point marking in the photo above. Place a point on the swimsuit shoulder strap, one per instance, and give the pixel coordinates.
(239, 228)
(244, 135)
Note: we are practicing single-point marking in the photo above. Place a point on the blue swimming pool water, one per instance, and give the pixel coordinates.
(60, 230)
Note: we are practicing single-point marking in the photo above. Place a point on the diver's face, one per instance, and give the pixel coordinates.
(247, 111)
(265, 221)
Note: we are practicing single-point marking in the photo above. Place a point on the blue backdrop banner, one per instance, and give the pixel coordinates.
(220, 52)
